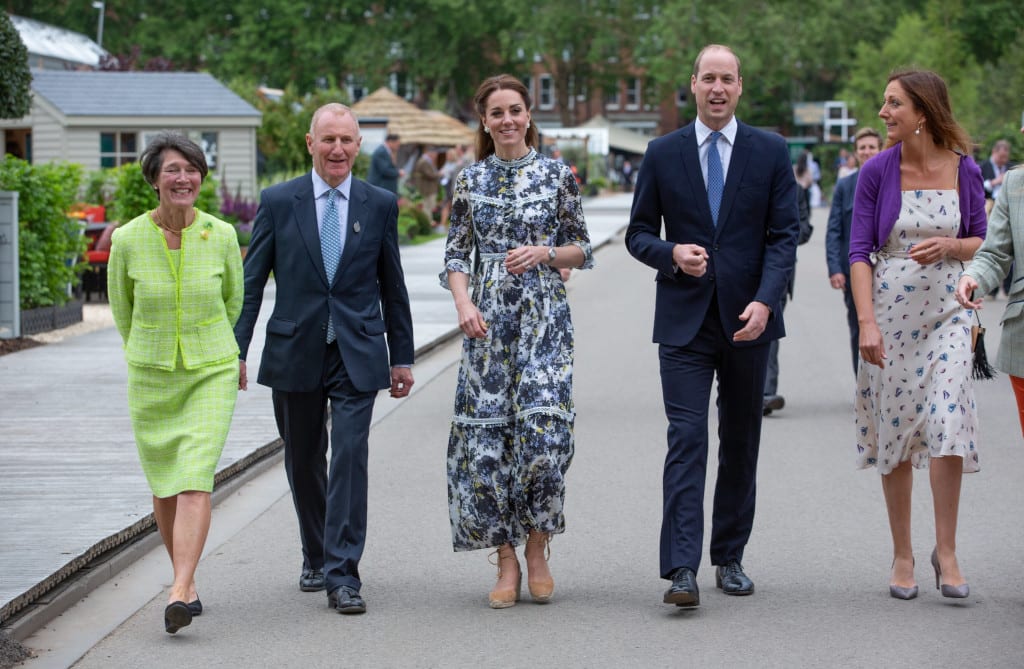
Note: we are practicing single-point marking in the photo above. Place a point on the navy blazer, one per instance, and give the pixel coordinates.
(383, 171)
(752, 250)
(367, 299)
(837, 237)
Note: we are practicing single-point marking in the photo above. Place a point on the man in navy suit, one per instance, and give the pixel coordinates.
(867, 142)
(341, 330)
(726, 257)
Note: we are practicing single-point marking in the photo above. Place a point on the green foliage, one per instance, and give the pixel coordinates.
(15, 79)
(133, 196)
(920, 42)
(423, 226)
(100, 187)
(49, 242)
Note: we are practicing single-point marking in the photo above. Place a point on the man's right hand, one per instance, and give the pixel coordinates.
(690, 259)
(838, 280)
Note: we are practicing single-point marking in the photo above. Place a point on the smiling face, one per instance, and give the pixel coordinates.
(178, 181)
(900, 115)
(506, 117)
(717, 87)
(334, 144)
(867, 146)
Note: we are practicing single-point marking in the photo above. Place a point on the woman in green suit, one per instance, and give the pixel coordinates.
(175, 288)
(1003, 244)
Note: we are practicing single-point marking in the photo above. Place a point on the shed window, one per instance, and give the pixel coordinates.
(118, 148)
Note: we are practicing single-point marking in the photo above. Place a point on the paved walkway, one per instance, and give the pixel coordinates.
(819, 553)
(70, 484)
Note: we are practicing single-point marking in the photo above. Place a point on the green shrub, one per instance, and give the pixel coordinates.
(100, 187)
(49, 242)
(133, 195)
(407, 226)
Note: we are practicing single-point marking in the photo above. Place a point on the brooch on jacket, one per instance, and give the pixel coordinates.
(205, 232)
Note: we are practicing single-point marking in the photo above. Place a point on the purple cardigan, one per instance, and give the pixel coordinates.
(876, 204)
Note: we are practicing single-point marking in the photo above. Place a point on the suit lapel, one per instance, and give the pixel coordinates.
(358, 219)
(737, 166)
(304, 211)
(689, 156)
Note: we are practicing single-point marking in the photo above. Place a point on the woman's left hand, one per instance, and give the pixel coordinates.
(932, 250)
(523, 259)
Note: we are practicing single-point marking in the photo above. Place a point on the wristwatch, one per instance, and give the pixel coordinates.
(551, 254)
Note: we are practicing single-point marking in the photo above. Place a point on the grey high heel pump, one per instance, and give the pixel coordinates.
(954, 591)
(899, 591)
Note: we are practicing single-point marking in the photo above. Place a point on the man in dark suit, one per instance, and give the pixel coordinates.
(727, 197)
(383, 169)
(993, 169)
(867, 142)
(331, 241)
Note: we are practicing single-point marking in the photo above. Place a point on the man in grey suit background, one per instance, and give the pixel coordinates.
(341, 330)
(867, 142)
(725, 195)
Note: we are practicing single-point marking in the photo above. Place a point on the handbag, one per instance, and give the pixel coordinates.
(981, 369)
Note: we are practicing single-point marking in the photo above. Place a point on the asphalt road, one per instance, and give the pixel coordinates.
(819, 554)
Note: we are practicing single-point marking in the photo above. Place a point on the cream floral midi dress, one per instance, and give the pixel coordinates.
(921, 405)
(511, 438)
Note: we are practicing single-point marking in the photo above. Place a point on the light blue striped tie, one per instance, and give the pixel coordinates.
(330, 246)
(716, 180)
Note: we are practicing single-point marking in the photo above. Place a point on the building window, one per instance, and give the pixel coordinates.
(356, 87)
(633, 93)
(400, 85)
(207, 141)
(118, 148)
(528, 82)
(611, 98)
(546, 99)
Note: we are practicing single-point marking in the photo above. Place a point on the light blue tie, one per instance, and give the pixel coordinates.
(330, 246)
(716, 180)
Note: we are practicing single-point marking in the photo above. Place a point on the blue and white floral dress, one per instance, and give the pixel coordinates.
(511, 438)
(921, 405)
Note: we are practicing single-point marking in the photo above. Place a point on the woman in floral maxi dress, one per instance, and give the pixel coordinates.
(516, 220)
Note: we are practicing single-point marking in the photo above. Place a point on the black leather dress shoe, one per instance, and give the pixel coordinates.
(731, 579)
(684, 590)
(346, 600)
(312, 580)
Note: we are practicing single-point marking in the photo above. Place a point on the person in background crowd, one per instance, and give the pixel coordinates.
(384, 171)
(867, 142)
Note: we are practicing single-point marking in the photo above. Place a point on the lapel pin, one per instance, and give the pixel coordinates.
(356, 228)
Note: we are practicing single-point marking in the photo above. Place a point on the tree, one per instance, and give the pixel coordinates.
(919, 42)
(15, 79)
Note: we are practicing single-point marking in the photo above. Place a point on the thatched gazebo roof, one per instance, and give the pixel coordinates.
(411, 123)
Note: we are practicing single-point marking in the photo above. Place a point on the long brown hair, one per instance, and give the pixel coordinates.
(484, 142)
(930, 96)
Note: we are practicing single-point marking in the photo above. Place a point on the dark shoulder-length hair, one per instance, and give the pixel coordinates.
(930, 96)
(152, 159)
(484, 142)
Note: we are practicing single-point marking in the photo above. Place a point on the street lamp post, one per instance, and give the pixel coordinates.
(100, 5)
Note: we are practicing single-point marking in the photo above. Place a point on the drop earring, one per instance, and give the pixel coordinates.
(527, 125)
(918, 130)
(487, 130)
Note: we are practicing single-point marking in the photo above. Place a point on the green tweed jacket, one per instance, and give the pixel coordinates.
(160, 308)
(1004, 247)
